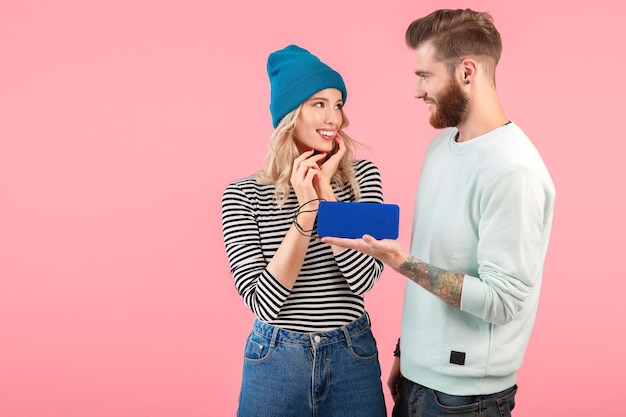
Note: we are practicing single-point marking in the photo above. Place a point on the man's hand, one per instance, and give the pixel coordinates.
(394, 378)
(386, 250)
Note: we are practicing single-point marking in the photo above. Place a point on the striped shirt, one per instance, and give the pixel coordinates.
(329, 290)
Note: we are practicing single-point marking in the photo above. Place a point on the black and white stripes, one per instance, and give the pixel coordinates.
(329, 290)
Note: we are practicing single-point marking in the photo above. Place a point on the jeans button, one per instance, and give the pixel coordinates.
(317, 339)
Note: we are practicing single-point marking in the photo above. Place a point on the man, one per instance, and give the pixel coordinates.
(482, 221)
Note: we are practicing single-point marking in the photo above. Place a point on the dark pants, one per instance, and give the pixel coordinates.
(415, 400)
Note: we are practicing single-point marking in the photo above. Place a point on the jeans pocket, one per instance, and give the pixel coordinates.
(454, 404)
(506, 404)
(257, 348)
(364, 346)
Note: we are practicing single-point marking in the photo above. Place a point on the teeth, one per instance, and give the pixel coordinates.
(327, 133)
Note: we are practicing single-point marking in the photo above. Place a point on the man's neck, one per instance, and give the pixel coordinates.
(480, 122)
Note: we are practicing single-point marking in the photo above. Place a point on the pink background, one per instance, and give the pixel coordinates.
(122, 121)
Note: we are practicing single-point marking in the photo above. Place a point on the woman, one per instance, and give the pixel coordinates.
(311, 347)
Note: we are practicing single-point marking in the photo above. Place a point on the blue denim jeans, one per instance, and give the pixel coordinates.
(333, 373)
(415, 400)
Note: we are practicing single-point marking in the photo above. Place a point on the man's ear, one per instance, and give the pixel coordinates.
(468, 69)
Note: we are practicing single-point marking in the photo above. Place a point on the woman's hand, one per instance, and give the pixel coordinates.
(289, 257)
(327, 170)
(304, 174)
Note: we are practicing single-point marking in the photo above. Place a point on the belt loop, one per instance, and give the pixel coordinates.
(274, 336)
(346, 333)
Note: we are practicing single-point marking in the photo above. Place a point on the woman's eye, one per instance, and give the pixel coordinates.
(318, 104)
(339, 106)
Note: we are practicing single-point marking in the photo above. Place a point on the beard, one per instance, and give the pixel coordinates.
(451, 107)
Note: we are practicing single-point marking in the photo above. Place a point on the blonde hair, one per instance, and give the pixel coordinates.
(283, 151)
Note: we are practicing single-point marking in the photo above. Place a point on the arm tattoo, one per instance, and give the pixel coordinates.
(446, 285)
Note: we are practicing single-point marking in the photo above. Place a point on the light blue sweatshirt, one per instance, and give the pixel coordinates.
(484, 208)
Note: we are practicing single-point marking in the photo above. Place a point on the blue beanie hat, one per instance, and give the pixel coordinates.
(295, 75)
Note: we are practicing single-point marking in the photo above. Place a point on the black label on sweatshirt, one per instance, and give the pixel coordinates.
(457, 358)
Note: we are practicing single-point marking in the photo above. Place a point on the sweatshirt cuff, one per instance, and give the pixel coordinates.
(473, 296)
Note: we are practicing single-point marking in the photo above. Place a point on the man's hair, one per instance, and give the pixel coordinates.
(457, 34)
